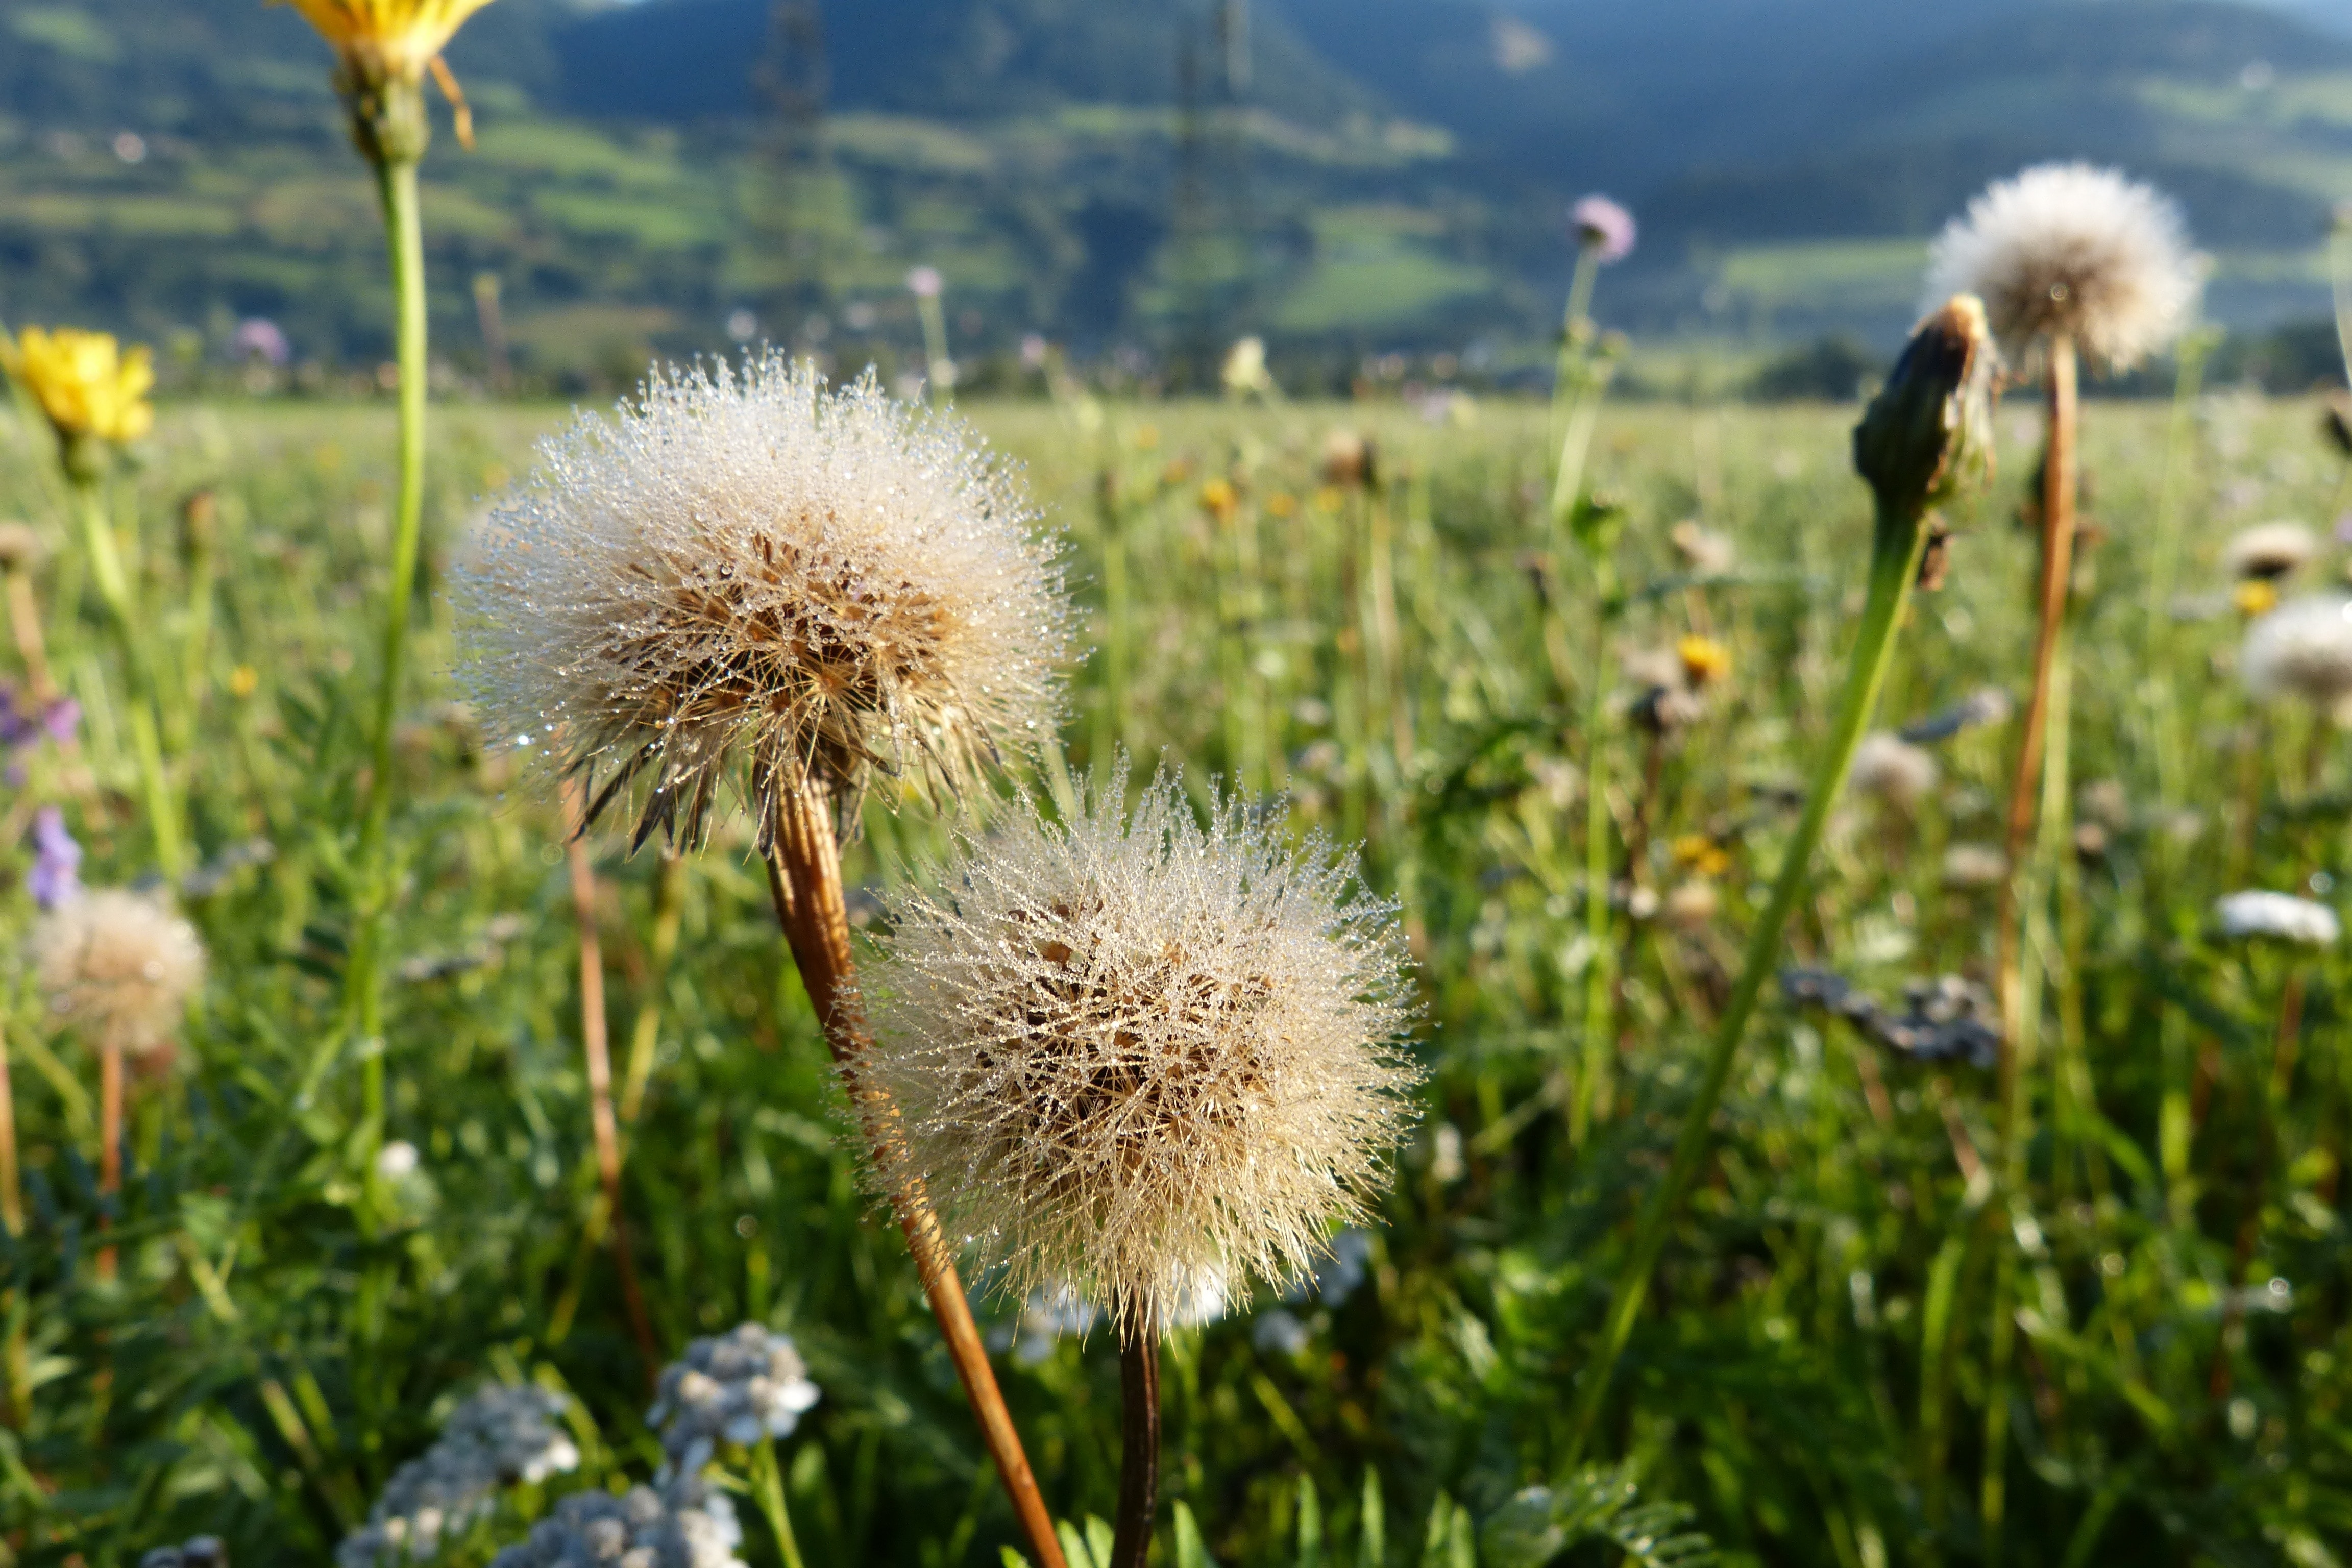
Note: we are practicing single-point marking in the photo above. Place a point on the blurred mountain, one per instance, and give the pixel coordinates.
(1339, 174)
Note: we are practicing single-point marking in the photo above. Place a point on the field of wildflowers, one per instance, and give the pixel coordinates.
(782, 976)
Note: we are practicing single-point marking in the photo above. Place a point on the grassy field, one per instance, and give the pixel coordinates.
(1812, 1381)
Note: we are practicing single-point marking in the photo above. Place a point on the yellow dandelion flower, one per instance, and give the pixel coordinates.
(1219, 500)
(1704, 659)
(244, 680)
(1282, 503)
(86, 385)
(1702, 855)
(388, 40)
(2255, 597)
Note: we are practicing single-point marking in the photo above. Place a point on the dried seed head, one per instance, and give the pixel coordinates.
(119, 967)
(744, 565)
(2269, 551)
(1128, 1051)
(2068, 249)
(1894, 769)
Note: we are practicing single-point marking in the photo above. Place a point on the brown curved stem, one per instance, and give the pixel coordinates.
(1138, 1454)
(804, 880)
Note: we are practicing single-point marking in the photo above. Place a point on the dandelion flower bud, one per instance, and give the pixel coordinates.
(119, 967)
(2269, 551)
(2281, 917)
(2304, 650)
(1132, 1051)
(1894, 769)
(1931, 424)
(2067, 249)
(745, 565)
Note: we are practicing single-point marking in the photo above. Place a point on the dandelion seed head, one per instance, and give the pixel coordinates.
(1604, 228)
(1894, 769)
(2269, 551)
(1132, 1053)
(744, 565)
(2303, 649)
(2280, 916)
(119, 967)
(2069, 248)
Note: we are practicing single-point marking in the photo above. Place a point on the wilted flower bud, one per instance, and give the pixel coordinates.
(1931, 424)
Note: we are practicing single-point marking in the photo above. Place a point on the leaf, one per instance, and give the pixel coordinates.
(1598, 1506)
(1310, 1525)
(1371, 1529)
(1192, 1552)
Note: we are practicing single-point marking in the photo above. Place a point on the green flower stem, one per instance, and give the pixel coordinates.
(1594, 1068)
(768, 1491)
(363, 994)
(122, 619)
(1894, 566)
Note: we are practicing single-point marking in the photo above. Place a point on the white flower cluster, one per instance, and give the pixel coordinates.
(2282, 916)
(684, 1525)
(738, 1386)
(505, 1433)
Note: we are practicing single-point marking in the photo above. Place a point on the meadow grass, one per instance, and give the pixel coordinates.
(1810, 1381)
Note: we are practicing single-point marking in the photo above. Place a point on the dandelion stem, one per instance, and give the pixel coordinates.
(110, 1143)
(1139, 1455)
(1899, 542)
(404, 242)
(644, 1035)
(595, 1046)
(804, 881)
(1594, 1071)
(122, 619)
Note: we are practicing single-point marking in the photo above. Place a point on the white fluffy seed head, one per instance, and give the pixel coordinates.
(118, 966)
(744, 565)
(2281, 917)
(1128, 1051)
(2068, 249)
(2269, 551)
(1893, 769)
(2303, 649)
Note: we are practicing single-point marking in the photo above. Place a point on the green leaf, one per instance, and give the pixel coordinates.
(1192, 1552)
(1310, 1525)
(1372, 1527)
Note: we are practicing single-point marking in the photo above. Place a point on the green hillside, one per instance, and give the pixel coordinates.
(1373, 176)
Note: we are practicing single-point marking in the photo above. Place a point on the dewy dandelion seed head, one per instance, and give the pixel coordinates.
(1132, 1051)
(118, 966)
(2069, 248)
(746, 565)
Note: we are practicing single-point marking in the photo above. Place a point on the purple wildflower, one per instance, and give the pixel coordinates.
(260, 338)
(61, 718)
(57, 859)
(1603, 227)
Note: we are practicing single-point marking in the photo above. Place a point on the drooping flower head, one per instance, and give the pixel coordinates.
(2280, 917)
(1604, 228)
(118, 966)
(745, 566)
(2066, 248)
(2303, 650)
(1129, 1051)
(86, 385)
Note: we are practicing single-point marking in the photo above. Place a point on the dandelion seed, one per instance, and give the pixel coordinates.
(2303, 650)
(745, 565)
(2269, 552)
(2067, 249)
(1894, 769)
(118, 966)
(1131, 1050)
